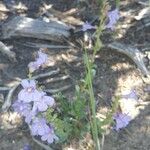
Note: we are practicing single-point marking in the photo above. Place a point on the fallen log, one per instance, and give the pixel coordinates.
(133, 53)
(28, 27)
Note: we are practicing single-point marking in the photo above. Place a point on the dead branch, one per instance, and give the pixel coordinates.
(53, 91)
(8, 100)
(28, 27)
(6, 51)
(131, 52)
(43, 75)
(57, 79)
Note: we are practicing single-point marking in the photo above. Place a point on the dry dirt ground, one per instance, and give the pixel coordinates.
(115, 74)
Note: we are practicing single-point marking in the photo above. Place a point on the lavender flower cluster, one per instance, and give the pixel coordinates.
(32, 102)
(42, 58)
(113, 17)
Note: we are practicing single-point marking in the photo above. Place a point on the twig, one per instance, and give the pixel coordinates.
(6, 51)
(4, 88)
(52, 91)
(43, 75)
(131, 52)
(57, 79)
(7, 102)
(41, 144)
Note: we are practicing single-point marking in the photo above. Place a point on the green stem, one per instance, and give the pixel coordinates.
(92, 103)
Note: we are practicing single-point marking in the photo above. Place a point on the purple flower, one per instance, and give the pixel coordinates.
(49, 136)
(131, 95)
(113, 18)
(30, 116)
(39, 127)
(27, 147)
(22, 108)
(122, 120)
(42, 102)
(29, 93)
(87, 26)
(33, 66)
(42, 58)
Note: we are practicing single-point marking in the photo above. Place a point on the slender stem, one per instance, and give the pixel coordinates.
(117, 3)
(92, 103)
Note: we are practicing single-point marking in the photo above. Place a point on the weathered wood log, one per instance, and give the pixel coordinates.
(131, 52)
(28, 27)
(6, 51)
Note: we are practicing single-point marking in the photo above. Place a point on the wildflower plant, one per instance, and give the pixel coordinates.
(61, 120)
(96, 124)
(45, 120)
(32, 102)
